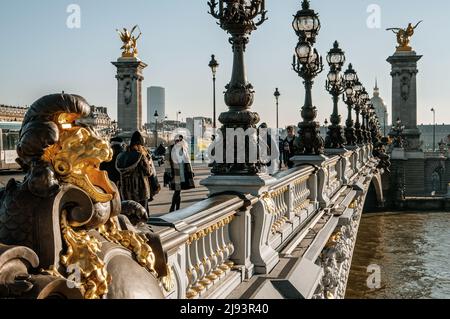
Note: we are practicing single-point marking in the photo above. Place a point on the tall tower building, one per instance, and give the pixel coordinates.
(156, 101)
(380, 108)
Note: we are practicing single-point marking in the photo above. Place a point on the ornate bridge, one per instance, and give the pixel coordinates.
(64, 231)
(296, 239)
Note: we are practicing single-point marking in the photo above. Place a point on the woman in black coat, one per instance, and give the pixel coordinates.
(178, 175)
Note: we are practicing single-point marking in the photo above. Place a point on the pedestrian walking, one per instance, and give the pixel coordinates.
(136, 172)
(288, 147)
(179, 175)
(118, 146)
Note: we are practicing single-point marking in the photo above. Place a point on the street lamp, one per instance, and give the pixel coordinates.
(238, 18)
(277, 95)
(363, 100)
(307, 63)
(213, 64)
(178, 116)
(335, 86)
(164, 126)
(434, 129)
(156, 115)
(357, 88)
(350, 78)
(367, 115)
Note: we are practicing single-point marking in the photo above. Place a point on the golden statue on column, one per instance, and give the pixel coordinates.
(129, 42)
(404, 36)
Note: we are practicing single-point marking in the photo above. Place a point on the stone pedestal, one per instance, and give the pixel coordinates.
(404, 95)
(253, 185)
(316, 160)
(129, 93)
(258, 222)
(398, 154)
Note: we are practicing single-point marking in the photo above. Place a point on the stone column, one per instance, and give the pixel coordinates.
(404, 95)
(129, 93)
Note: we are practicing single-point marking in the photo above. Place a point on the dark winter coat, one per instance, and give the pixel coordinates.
(135, 170)
(110, 167)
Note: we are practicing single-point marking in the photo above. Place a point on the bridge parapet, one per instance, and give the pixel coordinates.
(221, 245)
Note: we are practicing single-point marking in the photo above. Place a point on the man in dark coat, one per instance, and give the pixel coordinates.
(136, 168)
(288, 147)
(117, 146)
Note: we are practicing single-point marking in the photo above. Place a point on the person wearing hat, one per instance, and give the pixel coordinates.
(178, 175)
(117, 146)
(136, 170)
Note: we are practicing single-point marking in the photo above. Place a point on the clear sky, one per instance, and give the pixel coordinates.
(41, 55)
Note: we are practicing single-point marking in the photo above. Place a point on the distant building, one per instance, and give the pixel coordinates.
(156, 101)
(198, 124)
(100, 121)
(442, 134)
(12, 113)
(200, 130)
(380, 109)
(11, 118)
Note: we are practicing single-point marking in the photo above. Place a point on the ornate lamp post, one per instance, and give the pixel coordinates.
(350, 78)
(358, 89)
(178, 121)
(434, 129)
(366, 115)
(364, 99)
(373, 127)
(277, 95)
(156, 115)
(237, 17)
(335, 86)
(213, 64)
(307, 63)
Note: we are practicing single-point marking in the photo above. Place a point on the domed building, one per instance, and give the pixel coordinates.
(380, 108)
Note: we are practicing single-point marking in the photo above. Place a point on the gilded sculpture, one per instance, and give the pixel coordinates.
(404, 36)
(129, 40)
(64, 227)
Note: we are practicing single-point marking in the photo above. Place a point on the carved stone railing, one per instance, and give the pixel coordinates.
(290, 203)
(213, 246)
(207, 246)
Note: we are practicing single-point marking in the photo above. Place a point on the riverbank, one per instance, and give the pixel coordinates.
(423, 204)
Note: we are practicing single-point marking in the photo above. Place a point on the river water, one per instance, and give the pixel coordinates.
(410, 252)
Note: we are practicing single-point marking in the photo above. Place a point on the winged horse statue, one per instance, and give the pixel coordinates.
(404, 36)
(129, 48)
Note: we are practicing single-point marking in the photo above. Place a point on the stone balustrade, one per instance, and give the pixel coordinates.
(215, 245)
(200, 243)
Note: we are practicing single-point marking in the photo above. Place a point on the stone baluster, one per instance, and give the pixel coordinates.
(218, 251)
(212, 257)
(191, 273)
(228, 243)
(198, 264)
(278, 205)
(223, 247)
(283, 197)
(204, 259)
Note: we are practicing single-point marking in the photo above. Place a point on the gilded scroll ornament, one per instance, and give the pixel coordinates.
(81, 252)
